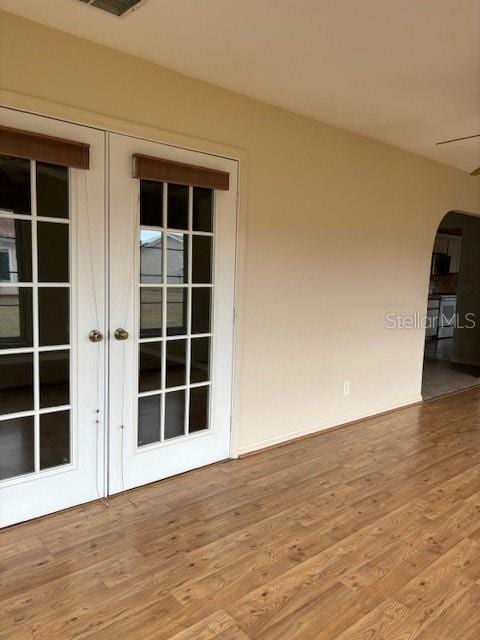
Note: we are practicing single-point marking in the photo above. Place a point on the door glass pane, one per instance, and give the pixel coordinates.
(198, 411)
(52, 252)
(16, 382)
(54, 439)
(177, 258)
(52, 190)
(15, 185)
(177, 311)
(201, 310)
(54, 378)
(151, 256)
(200, 360)
(149, 411)
(184, 360)
(151, 203)
(15, 250)
(16, 318)
(176, 363)
(53, 315)
(177, 206)
(174, 414)
(150, 366)
(201, 259)
(150, 312)
(202, 209)
(16, 447)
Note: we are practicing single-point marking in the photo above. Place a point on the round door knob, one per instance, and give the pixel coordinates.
(95, 335)
(121, 334)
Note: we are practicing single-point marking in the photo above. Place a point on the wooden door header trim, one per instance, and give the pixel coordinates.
(43, 148)
(161, 170)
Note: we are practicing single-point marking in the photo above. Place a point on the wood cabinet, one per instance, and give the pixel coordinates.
(452, 246)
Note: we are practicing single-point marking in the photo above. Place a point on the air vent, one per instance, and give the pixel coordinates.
(115, 7)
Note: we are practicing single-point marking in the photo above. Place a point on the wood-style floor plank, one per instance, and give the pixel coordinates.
(371, 531)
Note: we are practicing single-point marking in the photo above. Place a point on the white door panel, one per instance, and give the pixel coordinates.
(51, 375)
(156, 405)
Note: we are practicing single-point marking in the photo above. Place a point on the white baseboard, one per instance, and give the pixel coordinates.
(299, 433)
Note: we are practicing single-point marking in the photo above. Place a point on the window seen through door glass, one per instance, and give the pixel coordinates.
(16, 382)
(17, 437)
(16, 317)
(177, 206)
(52, 190)
(54, 439)
(52, 252)
(15, 250)
(177, 258)
(202, 209)
(15, 185)
(151, 203)
(151, 256)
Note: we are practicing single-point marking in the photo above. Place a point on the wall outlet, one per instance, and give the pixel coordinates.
(346, 388)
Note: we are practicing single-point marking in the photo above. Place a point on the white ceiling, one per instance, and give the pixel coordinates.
(406, 72)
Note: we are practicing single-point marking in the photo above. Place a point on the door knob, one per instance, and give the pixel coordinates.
(95, 335)
(121, 334)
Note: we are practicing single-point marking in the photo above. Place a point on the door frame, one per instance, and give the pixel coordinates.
(72, 115)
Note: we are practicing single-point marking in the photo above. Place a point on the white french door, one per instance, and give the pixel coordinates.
(52, 278)
(172, 253)
(116, 300)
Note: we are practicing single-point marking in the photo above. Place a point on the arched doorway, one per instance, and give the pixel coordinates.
(452, 340)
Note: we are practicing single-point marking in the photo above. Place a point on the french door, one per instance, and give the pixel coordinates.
(171, 313)
(116, 320)
(52, 287)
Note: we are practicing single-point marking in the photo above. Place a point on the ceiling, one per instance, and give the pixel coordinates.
(406, 72)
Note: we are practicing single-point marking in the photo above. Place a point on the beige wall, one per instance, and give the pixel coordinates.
(338, 231)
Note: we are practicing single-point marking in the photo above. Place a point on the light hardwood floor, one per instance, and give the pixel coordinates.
(371, 532)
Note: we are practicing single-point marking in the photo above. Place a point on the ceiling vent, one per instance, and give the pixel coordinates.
(115, 7)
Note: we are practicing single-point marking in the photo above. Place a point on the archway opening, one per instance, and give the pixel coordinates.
(452, 341)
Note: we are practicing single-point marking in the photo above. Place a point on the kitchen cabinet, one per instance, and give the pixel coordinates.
(450, 245)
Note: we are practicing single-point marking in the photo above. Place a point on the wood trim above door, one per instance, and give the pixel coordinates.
(161, 170)
(43, 148)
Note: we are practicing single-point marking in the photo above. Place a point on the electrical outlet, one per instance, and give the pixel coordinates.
(346, 388)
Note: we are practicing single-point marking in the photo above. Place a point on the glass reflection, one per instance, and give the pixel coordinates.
(54, 439)
(177, 311)
(150, 366)
(52, 252)
(202, 259)
(177, 206)
(176, 362)
(150, 312)
(200, 360)
(16, 319)
(16, 447)
(201, 310)
(198, 410)
(174, 414)
(151, 203)
(151, 258)
(54, 378)
(15, 250)
(53, 315)
(149, 411)
(15, 185)
(16, 382)
(177, 258)
(202, 209)
(52, 190)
